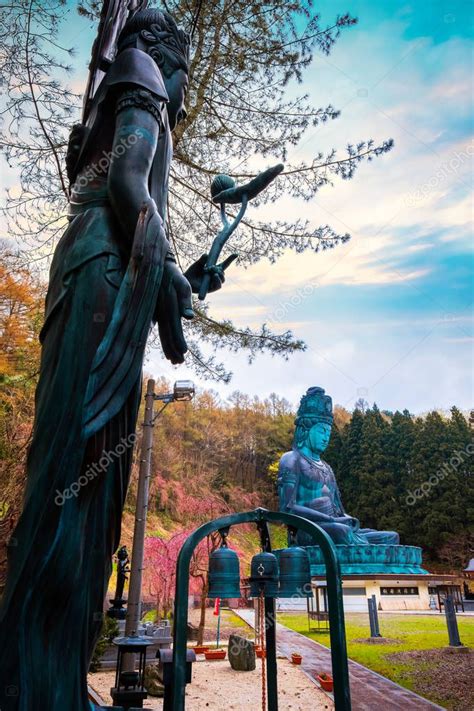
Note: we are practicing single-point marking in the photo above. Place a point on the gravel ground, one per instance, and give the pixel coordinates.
(216, 686)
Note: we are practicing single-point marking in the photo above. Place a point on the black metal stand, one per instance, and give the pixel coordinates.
(318, 615)
(373, 617)
(451, 621)
(270, 633)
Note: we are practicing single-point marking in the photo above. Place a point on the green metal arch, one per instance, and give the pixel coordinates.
(336, 611)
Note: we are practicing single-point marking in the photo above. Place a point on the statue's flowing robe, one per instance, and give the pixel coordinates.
(99, 309)
(311, 484)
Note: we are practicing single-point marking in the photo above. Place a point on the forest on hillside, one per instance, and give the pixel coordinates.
(395, 471)
(412, 474)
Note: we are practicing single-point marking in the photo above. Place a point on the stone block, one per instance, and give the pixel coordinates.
(241, 653)
(192, 633)
(153, 683)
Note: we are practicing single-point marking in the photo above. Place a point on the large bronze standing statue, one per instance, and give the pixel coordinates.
(112, 276)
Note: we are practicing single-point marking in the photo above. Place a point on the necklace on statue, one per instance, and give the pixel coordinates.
(323, 471)
(317, 462)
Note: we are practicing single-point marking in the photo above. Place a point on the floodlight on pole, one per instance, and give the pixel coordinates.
(184, 390)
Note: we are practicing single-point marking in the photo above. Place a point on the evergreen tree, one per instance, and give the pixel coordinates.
(399, 450)
(430, 519)
(333, 453)
(377, 502)
(350, 461)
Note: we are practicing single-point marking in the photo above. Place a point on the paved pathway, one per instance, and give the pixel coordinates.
(369, 691)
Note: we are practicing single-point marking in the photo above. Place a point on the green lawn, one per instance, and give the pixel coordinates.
(409, 633)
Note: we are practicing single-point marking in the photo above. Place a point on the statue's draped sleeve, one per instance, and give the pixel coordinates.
(119, 357)
(338, 505)
(287, 482)
(132, 68)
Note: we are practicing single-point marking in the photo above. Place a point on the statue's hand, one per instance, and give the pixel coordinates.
(174, 303)
(196, 272)
(349, 521)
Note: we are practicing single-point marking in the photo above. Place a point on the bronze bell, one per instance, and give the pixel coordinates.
(224, 573)
(264, 575)
(295, 575)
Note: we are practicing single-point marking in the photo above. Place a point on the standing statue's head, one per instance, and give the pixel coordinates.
(156, 33)
(313, 421)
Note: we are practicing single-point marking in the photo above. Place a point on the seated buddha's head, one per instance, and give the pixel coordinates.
(313, 421)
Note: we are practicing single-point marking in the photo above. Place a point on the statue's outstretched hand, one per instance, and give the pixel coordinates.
(196, 272)
(174, 303)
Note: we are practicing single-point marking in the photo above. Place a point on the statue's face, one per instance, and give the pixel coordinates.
(177, 87)
(318, 437)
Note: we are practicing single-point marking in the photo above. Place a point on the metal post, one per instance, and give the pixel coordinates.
(134, 605)
(270, 635)
(373, 617)
(376, 616)
(272, 687)
(218, 635)
(256, 619)
(453, 632)
(337, 632)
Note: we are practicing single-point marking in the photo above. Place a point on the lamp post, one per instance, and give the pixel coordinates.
(183, 391)
(129, 689)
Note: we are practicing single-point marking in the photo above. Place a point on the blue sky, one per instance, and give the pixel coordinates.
(388, 316)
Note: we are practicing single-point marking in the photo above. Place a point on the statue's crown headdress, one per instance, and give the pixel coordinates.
(120, 22)
(157, 27)
(315, 405)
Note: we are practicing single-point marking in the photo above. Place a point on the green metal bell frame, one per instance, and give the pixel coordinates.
(224, 573)
(264, 574)
(295, 574)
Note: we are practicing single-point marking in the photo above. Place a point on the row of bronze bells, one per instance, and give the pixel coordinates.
(292, 578)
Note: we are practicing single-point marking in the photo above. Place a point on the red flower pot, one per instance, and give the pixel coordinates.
(296, 658)
(326, 682)
(200, 648)
(213, 654)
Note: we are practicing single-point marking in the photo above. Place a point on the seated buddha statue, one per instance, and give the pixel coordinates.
(307, 485)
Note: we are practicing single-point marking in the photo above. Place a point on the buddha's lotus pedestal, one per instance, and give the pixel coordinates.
(370, 559)
(393, 573)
